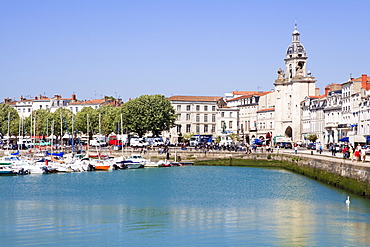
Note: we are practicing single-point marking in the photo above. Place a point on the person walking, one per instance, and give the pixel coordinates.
(332, 148)
(351, 154)
(357, 154)
(363, 154)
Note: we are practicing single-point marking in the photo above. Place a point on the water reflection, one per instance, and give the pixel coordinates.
(257, 206)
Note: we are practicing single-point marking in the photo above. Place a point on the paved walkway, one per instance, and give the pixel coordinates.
(324, 155)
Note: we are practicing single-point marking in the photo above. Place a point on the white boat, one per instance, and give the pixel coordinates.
(151, 164)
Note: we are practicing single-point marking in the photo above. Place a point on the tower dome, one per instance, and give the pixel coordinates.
(296, 47)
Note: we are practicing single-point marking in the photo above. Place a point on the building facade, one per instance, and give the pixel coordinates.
(196, 115)
(290, 89)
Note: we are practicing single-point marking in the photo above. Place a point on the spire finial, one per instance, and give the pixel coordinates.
(295, 25)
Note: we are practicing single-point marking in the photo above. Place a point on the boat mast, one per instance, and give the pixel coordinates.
(121, 136)
(88, 134)
(52, 135)
(8, 128)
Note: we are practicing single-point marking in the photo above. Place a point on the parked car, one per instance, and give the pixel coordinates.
(311, 146)
(285, 145)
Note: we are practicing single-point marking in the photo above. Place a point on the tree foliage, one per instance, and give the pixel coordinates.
(5, 111)
(234, 137)
(148, 113)
(312, 137)
(108, 115)
(62, 121)
(44, 122)
(86, 116)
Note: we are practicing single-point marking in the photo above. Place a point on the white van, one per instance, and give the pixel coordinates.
(24, 143)
(138, 142)
(98, 143)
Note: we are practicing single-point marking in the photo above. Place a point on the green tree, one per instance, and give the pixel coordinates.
(44, 120)
(311, 137)
(62, 121)
(5, 111)
(108, 119)
(149, 113)
(87, 115)
(186, 137)
(234, 137)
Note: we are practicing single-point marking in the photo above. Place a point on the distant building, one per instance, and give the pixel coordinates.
(25, 106)
(95, 104)
(291, 87)
(195, 115)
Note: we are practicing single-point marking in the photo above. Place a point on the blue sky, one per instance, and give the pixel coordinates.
(195, 47)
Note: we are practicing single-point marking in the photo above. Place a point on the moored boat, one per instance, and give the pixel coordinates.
(135, 165)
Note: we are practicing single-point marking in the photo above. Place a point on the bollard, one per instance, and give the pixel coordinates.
(311, 152)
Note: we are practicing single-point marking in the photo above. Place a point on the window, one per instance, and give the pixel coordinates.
(187, 117)
(205, 108)
(205, 128)
(188, 107)
(188, 128)
(205, 118)
(76, 109)
(222, 114)
(178, 107)
(178, 116)
(213, 108)
(197, 107)
(230, 124)
(213, 118)
(197, 118)
(231, 114)
(179, 128)
(40, 106)
(213, 128)
(197, 128)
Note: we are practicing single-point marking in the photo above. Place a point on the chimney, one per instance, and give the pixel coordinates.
(364, 81)
(327, 89)
(317, 91)
(74, 97)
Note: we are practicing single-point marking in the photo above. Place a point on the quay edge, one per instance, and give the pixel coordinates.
(343, 174)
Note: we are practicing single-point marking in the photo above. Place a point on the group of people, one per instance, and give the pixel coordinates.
(354, 153)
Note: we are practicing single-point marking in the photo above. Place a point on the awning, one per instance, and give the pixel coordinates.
(345, 139)
(353, 125)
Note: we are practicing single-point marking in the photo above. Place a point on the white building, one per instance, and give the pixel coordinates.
(95, 104)
(290, 89)
(195, 115)
(25, 106)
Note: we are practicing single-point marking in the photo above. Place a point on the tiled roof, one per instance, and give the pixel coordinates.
(267, 109)
(317, 97)
(244, 92)
(245, 96)
(89, 102)
(195, 98)
(360, 79)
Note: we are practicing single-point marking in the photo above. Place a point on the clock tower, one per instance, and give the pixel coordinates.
(291, 88)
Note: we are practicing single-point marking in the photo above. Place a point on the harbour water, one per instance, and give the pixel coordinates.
(179, 206)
